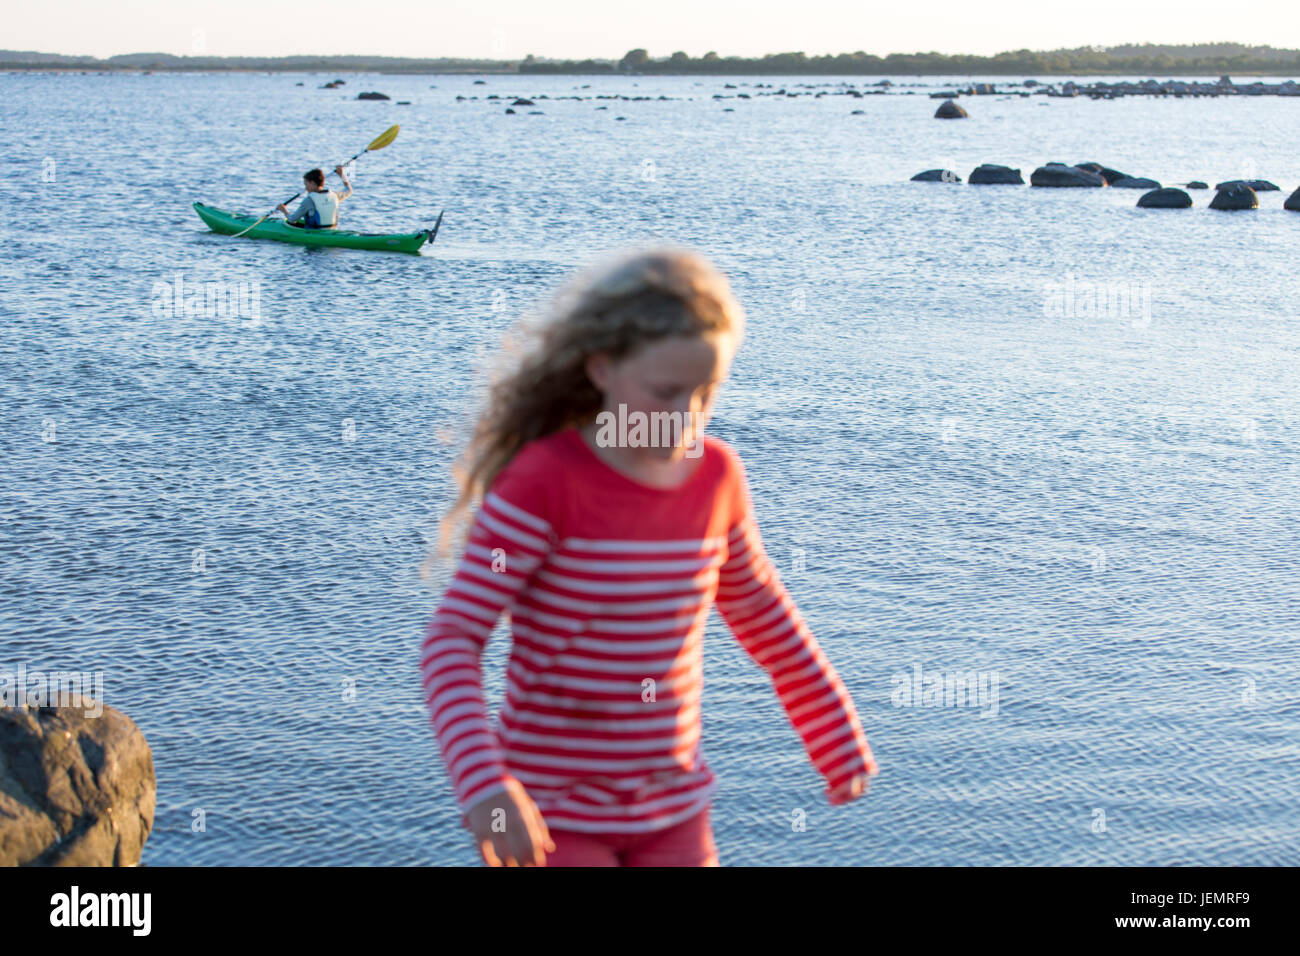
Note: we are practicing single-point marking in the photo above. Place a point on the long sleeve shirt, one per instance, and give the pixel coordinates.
(608, 583)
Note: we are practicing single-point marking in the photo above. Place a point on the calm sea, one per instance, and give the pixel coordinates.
(1040, 437)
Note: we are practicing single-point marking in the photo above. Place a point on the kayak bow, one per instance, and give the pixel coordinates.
(229, 224)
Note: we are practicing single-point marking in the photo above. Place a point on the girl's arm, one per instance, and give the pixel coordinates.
(758, 609)
(505, 546)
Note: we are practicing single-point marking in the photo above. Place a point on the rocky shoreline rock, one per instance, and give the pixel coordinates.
(949, 110)
(1059, 175)
(936, 176)
(1166, 198)
(1235, 196)
(1258, 185)
(1135, 182)
(993, 174)
(75, 790)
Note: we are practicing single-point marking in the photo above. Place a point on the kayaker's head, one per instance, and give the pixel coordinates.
(652, 330)
(314, 180)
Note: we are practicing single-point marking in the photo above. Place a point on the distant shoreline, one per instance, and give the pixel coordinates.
(1136, 60)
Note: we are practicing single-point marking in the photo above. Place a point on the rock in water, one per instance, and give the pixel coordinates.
(1110, 175)
(1259, 185)
(949, 110)
(1135, 182)
(1167, 198)
(936, 176)
(1235, 197)
(372, 96)
(1060, 175)
(1197, 184)
(993, 174)
(1292, 201)
(74, 790)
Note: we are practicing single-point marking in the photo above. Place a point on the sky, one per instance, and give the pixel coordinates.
(510, 29)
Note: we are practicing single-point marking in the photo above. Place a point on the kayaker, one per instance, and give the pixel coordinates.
(319, 209)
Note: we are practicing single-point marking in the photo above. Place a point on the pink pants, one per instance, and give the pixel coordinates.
(689, 843)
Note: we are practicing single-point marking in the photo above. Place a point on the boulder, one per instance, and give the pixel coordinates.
(1292, 201)
(949, 110)
(1108, 174)
(1197, 184)
(993, 174)
(936, 176)
(75, 790)
(1166, 198)
(1135, 182)
(372, 96)
(1060, 175)
(1258, 185)
(522, 102)
(1235, 197)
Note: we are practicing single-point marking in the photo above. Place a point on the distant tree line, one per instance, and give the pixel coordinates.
(1148, 59)
(1201, 58)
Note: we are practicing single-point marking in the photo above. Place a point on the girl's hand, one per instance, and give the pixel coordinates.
(851, 789)
(521, 837)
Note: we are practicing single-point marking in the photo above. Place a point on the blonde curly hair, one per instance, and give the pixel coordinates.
(613, 307)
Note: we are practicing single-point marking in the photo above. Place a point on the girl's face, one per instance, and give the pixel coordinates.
(678, 375)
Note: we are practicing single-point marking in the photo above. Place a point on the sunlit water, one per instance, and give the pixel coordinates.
(1096, 506)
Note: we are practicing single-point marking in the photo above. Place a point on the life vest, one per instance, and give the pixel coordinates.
(324, 211)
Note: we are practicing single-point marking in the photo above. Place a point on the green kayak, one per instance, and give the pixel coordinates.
(229, 223)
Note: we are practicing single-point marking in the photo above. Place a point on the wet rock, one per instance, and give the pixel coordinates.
(1135, 182)
(75, 790)
(1258, 185)
(949, 110)
(1111, 176)
(1165, 198)
(993, 174)
(1292, 201)
(1239, 196)
(373, 96)
(522, 102)
(1058, 175)
(936, 176)
(1197, 184)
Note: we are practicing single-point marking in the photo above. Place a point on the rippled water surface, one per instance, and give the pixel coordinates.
(955, 466)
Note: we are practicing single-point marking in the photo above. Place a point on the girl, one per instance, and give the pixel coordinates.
(607, 547)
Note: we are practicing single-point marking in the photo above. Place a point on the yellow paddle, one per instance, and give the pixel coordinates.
(379, 142)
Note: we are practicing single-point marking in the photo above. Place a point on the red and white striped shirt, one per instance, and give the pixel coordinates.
(608, 583)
